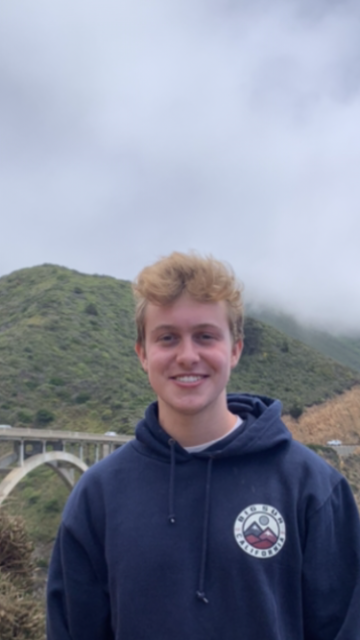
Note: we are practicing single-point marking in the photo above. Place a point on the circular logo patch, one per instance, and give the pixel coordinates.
(260, 531)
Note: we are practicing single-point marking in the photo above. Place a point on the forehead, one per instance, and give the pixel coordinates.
(186, 313)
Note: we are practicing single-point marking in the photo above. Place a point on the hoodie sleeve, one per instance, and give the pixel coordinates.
(78, 603)
(331, 570)
(77, 597)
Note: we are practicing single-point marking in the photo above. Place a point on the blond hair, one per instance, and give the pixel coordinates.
(203, 278)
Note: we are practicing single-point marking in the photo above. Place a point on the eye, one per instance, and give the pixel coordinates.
(204, 336)
(166, 339)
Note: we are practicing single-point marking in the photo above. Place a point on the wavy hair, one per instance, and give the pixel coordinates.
(203, 278)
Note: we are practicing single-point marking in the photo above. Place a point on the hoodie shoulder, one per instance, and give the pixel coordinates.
(105, 474)
(314, 474)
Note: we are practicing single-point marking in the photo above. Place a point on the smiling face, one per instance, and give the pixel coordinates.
(188, 355)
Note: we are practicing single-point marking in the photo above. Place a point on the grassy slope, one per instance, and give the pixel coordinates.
(287, 369)
(344, 349)
(66, 347)
(67, 356)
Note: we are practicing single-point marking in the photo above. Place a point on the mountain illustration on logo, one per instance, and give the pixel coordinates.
(260, 531)
(259, 538)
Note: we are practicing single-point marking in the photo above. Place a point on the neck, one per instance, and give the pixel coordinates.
(193, 429)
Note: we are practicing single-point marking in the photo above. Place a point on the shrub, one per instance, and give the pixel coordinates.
(15, 549)
(285, 346)
(25, 416)
(63, 394)
(21, 616)
(82, 397)
(52, 506)
(296, 409)
(42, 563)
(91, 309)
(57, 382)
(32, 384)
(253, 335)
(44, 416)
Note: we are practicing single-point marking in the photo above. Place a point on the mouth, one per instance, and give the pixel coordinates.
(188, 378)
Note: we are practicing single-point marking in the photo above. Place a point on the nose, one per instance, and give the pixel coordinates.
(187, 352)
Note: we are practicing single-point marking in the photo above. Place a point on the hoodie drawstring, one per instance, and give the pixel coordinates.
(200, 594)
(171, 516)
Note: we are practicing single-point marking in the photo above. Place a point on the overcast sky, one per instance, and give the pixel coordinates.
(131, 128)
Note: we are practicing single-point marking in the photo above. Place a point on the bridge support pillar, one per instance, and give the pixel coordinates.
(20, 453)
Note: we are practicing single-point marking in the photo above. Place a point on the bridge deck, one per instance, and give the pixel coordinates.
(69, 436)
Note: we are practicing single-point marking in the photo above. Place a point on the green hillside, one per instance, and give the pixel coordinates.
(66, 351)
(345, 349)
(67, 355)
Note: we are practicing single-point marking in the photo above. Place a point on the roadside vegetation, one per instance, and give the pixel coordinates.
(21, 614)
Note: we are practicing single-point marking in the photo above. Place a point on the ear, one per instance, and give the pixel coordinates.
(141, 354)
(236, 352)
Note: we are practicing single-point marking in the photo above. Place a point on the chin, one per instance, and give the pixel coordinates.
(188, 409)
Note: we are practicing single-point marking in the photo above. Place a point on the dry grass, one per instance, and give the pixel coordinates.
(21, 616)
(338, 418)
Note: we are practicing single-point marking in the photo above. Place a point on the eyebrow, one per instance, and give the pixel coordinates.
(171, 327)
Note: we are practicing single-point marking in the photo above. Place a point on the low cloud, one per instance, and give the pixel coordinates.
(130, 130)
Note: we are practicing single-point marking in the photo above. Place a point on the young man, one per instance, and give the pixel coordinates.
(213, 523)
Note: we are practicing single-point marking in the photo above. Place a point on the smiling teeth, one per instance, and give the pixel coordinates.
(189, 378)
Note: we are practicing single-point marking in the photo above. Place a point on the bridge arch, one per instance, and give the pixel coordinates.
(52, 459)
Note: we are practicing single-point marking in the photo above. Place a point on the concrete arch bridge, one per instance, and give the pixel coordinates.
(23, 450)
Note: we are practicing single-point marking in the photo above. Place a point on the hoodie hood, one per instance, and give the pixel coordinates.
(262, 429)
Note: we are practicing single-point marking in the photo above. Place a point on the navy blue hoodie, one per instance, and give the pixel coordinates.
(256, 538)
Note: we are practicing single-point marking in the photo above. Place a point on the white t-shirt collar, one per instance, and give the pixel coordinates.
(201, 447)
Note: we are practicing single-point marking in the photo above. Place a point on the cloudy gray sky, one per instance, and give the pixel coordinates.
(131, 128)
